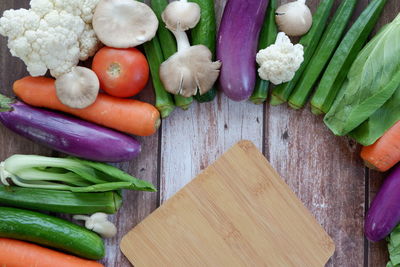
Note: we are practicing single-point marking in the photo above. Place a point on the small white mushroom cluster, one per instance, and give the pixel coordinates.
(191, 69)
(98, 223)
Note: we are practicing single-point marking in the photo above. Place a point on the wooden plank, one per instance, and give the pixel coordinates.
(377, 252)
(324, 171)
(193, 139)
(137, 205)
(207, 223)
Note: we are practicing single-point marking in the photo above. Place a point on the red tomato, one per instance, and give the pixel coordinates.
(122, 72)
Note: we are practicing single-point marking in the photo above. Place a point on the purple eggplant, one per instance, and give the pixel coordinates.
(66, 134)
(237, 46)
(384, 212)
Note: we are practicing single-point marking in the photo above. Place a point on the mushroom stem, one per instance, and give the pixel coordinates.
(302, 1)
(182, 40)
(81, 217)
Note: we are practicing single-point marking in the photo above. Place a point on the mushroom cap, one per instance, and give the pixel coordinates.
(78, 88)
(181, 16)
(124, 23)
(294, 18)
(190, 71)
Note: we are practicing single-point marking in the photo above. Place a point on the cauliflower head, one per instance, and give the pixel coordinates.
(52, 35)
(280, 61)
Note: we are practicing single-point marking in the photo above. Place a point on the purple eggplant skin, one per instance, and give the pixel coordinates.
(237, 46)
(384, 212)
(68, 135)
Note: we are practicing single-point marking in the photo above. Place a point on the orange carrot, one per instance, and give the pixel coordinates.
(126, 115)
(385, 153)
(15, 253)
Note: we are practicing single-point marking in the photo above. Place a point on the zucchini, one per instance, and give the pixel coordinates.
(310, 41)
(268, 35)
(164, 101)
(322, 55)
(168, 46)
(60, 201)
(51, 232)
(336, 72)
(205, 33)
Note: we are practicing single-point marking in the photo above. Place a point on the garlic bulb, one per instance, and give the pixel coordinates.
(294, 18)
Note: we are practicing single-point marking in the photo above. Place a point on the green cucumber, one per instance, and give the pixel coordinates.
(164, 101)
(336, 72)
(51, 232)
(205, 33)
(183, 102)
(310, 41)
(268, 35)
(168, 46)
(60, 201)
(207, 97)
(322, 55)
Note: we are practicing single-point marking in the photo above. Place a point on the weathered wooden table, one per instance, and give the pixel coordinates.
(324, 171)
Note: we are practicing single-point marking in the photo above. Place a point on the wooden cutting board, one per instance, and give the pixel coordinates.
(237, 212)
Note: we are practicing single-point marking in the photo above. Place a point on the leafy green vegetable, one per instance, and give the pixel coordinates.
(379, 122)
(372, 80)
(70, 174)
(394, 247)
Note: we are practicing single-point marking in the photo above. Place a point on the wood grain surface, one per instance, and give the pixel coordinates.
(207, 222)
(324, 171)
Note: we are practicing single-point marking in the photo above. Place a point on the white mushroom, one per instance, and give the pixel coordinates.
(191, 69)
(181, 15)
(98, 223)
(294, 18)
(78, 88)
(124, 23)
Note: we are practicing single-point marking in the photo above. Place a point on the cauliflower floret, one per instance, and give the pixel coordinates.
(280, 61)
(14, 23)
(88, 43)
(53, 35)
(42, 7)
